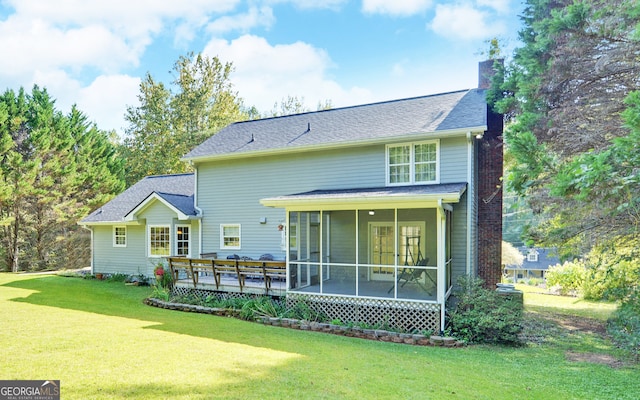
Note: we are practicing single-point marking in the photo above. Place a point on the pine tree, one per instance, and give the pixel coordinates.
(54, 168)
(563, 94)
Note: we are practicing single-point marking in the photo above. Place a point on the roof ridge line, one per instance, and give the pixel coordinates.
(375, 103)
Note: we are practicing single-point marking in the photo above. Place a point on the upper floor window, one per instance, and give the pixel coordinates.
(532, 256)
(182, 240)
(119, 236)
(230, 236)
(412, 163)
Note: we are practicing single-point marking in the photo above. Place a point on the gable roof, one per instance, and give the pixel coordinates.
(176, 190)
(182, 205)
(378, 122)
(547, 257)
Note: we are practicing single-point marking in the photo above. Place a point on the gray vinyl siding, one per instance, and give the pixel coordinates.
(129, 260)
(229, 191)
(453, 160)
(459, 239)
(133, 259)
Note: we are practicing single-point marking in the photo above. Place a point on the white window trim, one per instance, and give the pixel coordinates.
(149, 241)
(178, 227)
(115, 244)
(412, 163)
(532, 256)
(222, 245)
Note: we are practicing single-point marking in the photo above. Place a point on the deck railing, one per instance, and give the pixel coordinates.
(240, 269)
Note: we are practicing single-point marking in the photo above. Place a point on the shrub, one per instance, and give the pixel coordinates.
(301, 310)
(117, 277)
(624, 325)
(262, 307)
(613, 270)
(485, 316)
(160, 293)
(569, 276)
(535, 281)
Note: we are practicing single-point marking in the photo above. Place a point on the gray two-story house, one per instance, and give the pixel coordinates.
(373, 207)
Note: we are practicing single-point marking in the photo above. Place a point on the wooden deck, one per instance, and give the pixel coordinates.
(244, 276)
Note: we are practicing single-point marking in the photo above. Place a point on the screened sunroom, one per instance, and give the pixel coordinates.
(388, 244)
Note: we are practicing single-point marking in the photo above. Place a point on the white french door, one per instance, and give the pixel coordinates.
(382, 247)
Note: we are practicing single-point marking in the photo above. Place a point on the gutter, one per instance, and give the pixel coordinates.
(413, 136)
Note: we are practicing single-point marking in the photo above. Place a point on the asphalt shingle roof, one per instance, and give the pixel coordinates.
(441, 112)
(546, 259)
(175, 189)
(395, 191)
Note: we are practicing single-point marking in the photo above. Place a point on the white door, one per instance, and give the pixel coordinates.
(411, 247)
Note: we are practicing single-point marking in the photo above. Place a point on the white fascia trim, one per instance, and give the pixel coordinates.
(132, 215)
(110, 223)
(411, 136)
(419, 201)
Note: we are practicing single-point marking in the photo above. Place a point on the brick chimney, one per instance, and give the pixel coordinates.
(489, 189)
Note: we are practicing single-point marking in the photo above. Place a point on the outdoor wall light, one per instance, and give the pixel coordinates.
(371, 212)
(263, 220)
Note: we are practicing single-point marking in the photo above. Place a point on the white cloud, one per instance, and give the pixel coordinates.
(398, 69)
(396, 7)
(102, 34)
(243, 22)
(265, 73)
(463, 21)
(37, 43)
(106, 99)
(501, 6)
(311, 4)
(63, 45)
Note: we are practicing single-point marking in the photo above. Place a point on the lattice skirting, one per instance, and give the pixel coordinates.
(203, 294)
(403, 315)
(406, 316)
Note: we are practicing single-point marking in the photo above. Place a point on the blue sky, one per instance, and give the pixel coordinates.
(94, 53)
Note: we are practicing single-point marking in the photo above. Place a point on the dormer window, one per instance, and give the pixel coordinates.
(413, 163)
(532, 256)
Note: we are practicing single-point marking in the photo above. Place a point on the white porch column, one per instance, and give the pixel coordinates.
(441, 218)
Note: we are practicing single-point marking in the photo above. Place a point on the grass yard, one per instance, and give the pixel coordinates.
(101, 342)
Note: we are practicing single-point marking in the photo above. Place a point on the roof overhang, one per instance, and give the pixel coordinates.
(153, 197)
(411, 136)
(110, 223)
(423, 196)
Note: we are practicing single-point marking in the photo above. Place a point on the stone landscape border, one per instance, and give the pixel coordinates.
(350, 331)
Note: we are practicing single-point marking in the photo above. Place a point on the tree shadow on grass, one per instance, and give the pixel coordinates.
(117, 300)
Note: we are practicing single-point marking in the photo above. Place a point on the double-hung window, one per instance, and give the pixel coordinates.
(182, 240)
(413, 163)
(159, 241)
(119, 236)
(230, 236)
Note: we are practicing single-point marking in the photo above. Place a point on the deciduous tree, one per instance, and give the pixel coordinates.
(169, 123)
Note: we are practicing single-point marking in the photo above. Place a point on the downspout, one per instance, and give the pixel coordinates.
(92, 255)
(195, 207)
(470, 196)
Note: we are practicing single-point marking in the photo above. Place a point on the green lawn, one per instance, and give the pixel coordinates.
(539, 300)
(100, 341)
